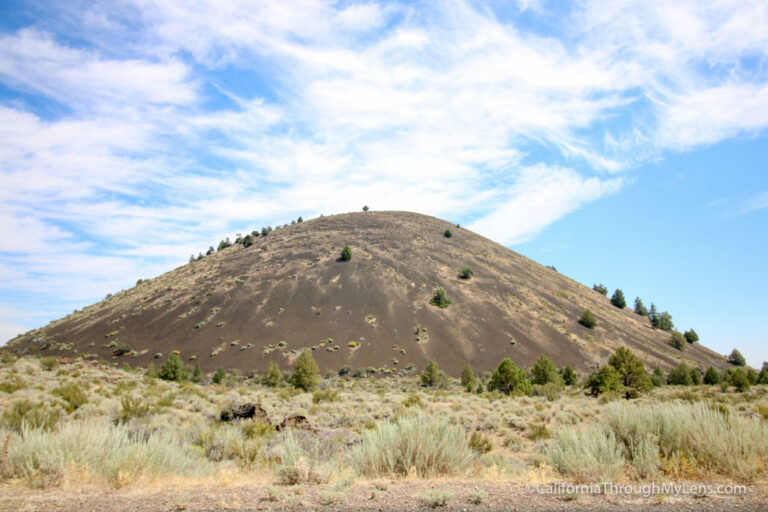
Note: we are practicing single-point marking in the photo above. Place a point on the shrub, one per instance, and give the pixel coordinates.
(695, 376)
(691, 336)
(432, 376)
(693, 437)
(508, 378)
(439, 299)
(131, 407)
(680, 376)
(468, 378)
(753, 376)
(100, 452)
(431, 446)
(466, 272)
(325, 395)
(49, 363)
(588, 455)
(436, 498)
(739, 379)
(736, 358)
(763, 377)
(306, 373)
(640, 308)
(413, 399)
(479, 443)
(618, 299)
(248, 241)
(711, 376)
(303, 458)
(631, 372)
(600, 288)
(273, 376)
(664, 321)
(346, 254)
(606, 380)
(72, 394)
(447, 233)
(122, 349)
(477, 496)
(173, 369)
(219, 375)
(569, 376)
(677, 340)
(197, 374)
(33, 416)
(658, 378)
(588, 319)
(365, 208)
(544, 371)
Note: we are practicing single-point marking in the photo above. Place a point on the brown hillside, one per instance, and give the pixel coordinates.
(243, 307)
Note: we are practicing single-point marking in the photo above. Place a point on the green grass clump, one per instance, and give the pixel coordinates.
(325, 395)
(32, 415)
(432, 447)
(436, 498)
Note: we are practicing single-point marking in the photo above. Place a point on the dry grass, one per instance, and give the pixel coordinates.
(140, 429)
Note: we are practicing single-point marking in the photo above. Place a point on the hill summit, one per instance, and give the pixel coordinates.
(266, 300)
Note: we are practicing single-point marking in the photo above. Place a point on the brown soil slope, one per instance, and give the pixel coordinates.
(243, 307)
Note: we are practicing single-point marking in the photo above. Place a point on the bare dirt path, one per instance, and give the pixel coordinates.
(395, 496)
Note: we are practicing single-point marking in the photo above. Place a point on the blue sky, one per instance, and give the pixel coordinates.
(624, 142)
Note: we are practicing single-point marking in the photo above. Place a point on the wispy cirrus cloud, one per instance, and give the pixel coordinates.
(176, 123)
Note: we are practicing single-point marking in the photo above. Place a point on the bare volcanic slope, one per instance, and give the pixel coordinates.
(243, 307)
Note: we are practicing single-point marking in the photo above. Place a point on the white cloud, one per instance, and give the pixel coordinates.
(540, 196)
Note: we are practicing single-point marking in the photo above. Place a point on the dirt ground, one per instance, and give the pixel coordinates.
(403, 495)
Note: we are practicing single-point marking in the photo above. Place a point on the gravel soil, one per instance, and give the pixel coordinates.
(403, 495)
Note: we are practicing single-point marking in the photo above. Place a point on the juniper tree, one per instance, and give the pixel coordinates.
(508, 378)
(468, 378)
(432, 376)
(173, 369)
(680, 375)
(346, 254)
(640, 308)
(631, 371)
(600, 288)
(306, 373)
(618, 299)
(544, 371)
(736, 358)
(439, 299)
(606, 380)
(678, 340)
(569, 376)
(273, 376)
(711, 376)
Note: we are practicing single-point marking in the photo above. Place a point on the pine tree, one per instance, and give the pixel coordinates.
(248, 240)
(665, 321)
(653, 314)
(569, 376)
(173, 369)
(346, 254)
(197, 374)
(273, 376)
(447, 233)
(508, 378)
(306, 373)
(680, 375)
(219, 375)
(691, 336)
(606, 380)
(544, 371)
(736, 358)
(763, 377)
(618, 299)
(468, 379)
(631, 371)
(600, 288)
(365, 208)
(711, 377)
(658, 378)
(432, 376)
(739, 380)
(640, 308)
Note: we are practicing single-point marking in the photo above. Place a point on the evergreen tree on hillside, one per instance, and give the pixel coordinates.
(306, 373)
(588, 319)
(653, 314)
(600, 288)
(640, 308)
(737, 359)
(346, 254)
(544, 371)
(508, 378)
(273, 376)
(606, 380)
(618, 299)
(691, 336)
(763, 377)
(680, 375)
(711, 377)
(173, 369)
(665, 321)
(631, 371)
(468, 378)
(432, 376)
(678, 341)
(569, 376)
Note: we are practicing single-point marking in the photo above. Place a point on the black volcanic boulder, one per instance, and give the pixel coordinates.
(244, 412)
(298, 421)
